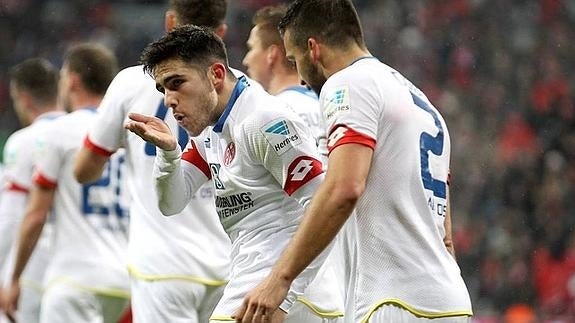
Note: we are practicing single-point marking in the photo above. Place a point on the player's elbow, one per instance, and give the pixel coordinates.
(169, 208)
(347, 195)
(83, 175)
(87, 167)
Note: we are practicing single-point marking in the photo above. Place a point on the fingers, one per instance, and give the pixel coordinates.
(253, 313)
(140, 117)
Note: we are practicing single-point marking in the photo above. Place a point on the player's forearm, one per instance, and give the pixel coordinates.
(172, 189)
(329, 210)
(30, 231)
(88, 166)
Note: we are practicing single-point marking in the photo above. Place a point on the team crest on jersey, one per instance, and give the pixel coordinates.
(336, 102)
(281, 135)
(229, 154)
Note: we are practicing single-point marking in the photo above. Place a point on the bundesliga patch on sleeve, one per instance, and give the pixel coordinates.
(336, 102)
(281, 135)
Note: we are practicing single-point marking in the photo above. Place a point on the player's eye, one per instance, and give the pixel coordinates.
(175, 84)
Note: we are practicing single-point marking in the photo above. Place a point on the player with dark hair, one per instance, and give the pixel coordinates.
(34, 93)
(263, 163)
(389, 154)
(86, 279)
(178, 265)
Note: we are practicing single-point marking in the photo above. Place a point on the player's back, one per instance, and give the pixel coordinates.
(190, 245)
(90, 223)
(400, 217)
(19, 159)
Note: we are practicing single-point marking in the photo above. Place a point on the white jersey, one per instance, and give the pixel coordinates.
(191, 245)
(305, 103)
(90, 223)
(401, 257)
(265, 168)
(19, 160)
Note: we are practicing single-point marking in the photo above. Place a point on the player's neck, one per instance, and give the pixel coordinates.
(338, 59)
(224, 95)
(85, 100)
(282, 81)
(39, 111)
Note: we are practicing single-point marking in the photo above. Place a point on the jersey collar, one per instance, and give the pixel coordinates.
(241, 85)
(301, 89)
(361, 58)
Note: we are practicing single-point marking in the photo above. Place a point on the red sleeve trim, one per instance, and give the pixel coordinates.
(95, 148)
(342, 134)
(192, 156)
(302, 170)
(43, 181)
(15, 187)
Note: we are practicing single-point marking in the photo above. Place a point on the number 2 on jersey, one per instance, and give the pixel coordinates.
(183, 138)
(429, 143)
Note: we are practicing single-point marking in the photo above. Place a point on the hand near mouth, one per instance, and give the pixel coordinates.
(152, 130)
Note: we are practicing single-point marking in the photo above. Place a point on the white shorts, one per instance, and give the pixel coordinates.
(390, 313)
(174, 301)
(64, 303)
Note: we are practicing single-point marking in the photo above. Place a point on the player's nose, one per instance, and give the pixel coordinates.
(170, 99)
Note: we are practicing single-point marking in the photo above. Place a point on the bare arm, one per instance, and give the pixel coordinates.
(330, 207)
(89, 165)
(36, 214)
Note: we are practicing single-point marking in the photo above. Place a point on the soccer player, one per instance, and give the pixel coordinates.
(178, 265)
(389, 159)
(34, 93)
(263, 164)
(86, 279)
(267, 64)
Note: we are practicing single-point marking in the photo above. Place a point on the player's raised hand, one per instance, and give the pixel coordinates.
(261, 305)
(152, 130)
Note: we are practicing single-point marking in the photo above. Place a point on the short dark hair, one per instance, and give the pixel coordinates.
(334, 22)
(38, 77)
(197, 46)
(95, 64)
(206, 13)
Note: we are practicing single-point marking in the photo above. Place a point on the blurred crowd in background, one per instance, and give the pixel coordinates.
(500, 71)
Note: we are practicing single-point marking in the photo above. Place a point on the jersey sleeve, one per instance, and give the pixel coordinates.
(179, 175)
(49, 166)
(283, 146)
(107, 133)
(351, 112)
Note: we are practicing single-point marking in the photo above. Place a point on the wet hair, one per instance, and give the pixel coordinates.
(333, 22)
(38, 77)
(95, 64)
(197, 46)
(206, 13)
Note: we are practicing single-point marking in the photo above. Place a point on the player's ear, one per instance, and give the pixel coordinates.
(217, 75)
(314, 49)
(274, 53)
(170, 20)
